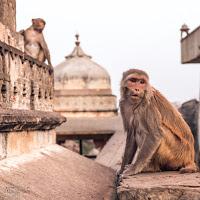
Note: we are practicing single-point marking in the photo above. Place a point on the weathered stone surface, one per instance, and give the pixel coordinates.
(55, 173)
(23, 120)
(11, 38)
(17, 143)
(160, 186)
(112, 153)
(26, 142)
(8, 13)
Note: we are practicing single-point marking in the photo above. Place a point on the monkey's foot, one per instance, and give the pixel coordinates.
(189, 169)
(151, 168)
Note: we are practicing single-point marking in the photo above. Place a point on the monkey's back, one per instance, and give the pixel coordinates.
(177, 145)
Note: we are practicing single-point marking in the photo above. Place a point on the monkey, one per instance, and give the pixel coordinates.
(158, 138)
(35, 44)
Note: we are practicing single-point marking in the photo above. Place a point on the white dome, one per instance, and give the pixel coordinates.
(82, 87)
(78, 71)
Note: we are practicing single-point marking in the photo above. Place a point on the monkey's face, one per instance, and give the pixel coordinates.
(38, 24)
(135, 86)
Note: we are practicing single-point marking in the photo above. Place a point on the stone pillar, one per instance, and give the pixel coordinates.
(8, 13)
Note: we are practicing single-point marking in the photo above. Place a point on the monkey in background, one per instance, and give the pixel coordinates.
(35, 44)
(158, 138)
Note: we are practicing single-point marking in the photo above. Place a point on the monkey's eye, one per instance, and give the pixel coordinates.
(134, 80)
(142, 81)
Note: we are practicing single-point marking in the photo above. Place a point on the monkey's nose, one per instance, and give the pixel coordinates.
(137, 90)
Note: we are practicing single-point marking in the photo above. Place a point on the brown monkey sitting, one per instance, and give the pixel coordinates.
(35, 44)
(157, 136)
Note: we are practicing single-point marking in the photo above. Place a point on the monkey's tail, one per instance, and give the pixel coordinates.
(117, 183)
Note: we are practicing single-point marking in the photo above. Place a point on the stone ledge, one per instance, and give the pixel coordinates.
(161, 186)
(28, 120)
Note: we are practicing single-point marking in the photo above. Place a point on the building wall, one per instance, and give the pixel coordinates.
(15, 143)
(190, 47)
(88, 114)
(85, 103)
(81, 83)
(8, 13)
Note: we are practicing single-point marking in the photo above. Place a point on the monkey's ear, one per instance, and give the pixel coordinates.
(124, 74)
(44, 22)
(33, 21)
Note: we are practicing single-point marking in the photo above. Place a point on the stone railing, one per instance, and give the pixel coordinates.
(25, 83)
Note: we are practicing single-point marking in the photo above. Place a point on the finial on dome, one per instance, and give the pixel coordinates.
(77, 40)
(77, 52)
(184, 29)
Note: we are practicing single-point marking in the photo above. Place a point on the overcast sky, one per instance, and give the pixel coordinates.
(122, 34)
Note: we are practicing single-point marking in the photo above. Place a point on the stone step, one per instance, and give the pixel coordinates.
(160, 186)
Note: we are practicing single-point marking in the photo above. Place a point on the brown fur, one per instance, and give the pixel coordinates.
(35, 44)
(157, 136)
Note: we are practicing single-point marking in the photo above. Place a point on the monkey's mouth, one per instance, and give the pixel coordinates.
(135, 96)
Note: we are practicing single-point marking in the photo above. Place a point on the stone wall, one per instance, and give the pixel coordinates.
(15, 143)
(8, 13)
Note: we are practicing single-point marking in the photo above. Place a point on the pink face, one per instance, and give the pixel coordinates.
(38, 24)
(137, 85)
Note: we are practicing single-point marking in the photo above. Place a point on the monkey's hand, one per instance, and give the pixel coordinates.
(130, 170)
(51, 68)
(22, 32)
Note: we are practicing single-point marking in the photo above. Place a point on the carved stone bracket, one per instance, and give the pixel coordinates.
(26, 120)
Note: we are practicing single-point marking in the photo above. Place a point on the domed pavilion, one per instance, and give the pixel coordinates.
(82, 87)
